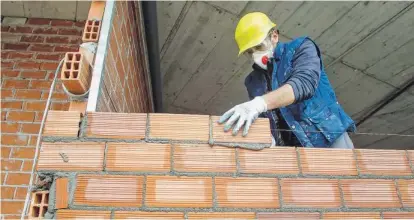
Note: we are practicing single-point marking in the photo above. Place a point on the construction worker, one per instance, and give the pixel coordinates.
(288, 85)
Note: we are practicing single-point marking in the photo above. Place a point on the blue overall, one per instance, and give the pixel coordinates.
(317, 120)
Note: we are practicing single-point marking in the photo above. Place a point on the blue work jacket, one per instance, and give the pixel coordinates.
(317, 120)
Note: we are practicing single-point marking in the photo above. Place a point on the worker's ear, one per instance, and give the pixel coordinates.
(274, 36)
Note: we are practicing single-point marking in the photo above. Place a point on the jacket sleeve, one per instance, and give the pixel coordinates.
(306, 71)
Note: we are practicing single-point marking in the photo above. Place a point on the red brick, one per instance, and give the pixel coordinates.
(30, 128)
(33, 74)
(270, 160)
(82, 214)
(45, 30)
(21, 193)
(41, 84)
(11, 165)
(7, 192)
(221, 215)
(48, 56)
(16, 46)
(42, 47)
(109, 190)
(328, 161)
(49, 66)
(7, 64)
(39, 116)
(6, 28)
(28, 94)
(70, 31)
(398, 215)
(38, 21)
(383, 162)
(27, 166)
(5, 152)
(10, 139)
(204, 158)
(32, 39)
(288, 215)
(21, 116)
(18, 179)
(75, 40)
(62, 195)
(58, 106)
(247, 192)
(18, 29)
(27, 65)
(6, 93)
(66, 48)
(138, 157)
(57, 40)
(370, 193)
(148, 215)
(116, 125)
(80, 24)
(8, 127)
(3, 115)
(303, 193)
(15, 84)
(50, 158)
(35, 106)
(172, 191)
(66, 23)
(5, 54)
(9, 72)
(12, 207)
(55, 96)
(20, 55)
(351, 215)
(11, 104)
(407, 195)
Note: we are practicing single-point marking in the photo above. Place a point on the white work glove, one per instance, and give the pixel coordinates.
(244, 114)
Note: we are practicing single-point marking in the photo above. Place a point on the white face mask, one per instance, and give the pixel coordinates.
(261, 57)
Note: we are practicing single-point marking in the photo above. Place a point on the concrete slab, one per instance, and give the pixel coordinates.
(50, 9)
(12, 8)
(13, 21)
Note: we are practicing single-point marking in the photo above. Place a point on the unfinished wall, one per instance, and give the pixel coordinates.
(31, 51)
(124, 86)
(152, 166)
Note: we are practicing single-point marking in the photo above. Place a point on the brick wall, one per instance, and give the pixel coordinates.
(30, 54)
(183, 167)
(125, 75)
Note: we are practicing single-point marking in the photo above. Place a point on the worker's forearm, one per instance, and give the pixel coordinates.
(280, 97)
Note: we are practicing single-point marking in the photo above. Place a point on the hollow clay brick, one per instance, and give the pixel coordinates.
(138, 157)
(75, 73)
(116, 125)
(247, 192)
(302, 193)
(288, 215)
(148, 215)
(327, 161)
(82, 214)
(370, 193)
(221, 215)
(62, 123)
(91, 31)
(351, 215)
(184, 192)
(398, 215)
(179, 127)
(96, 10)
(383, 162)
(78, 106)
(62, 194)
(39, 204)
(259, 132)
(204, 158)
(109, 190)
(269, 160)
(406, 191)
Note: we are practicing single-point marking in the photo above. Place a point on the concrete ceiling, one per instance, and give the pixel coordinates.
(368, 50)
(68, 10)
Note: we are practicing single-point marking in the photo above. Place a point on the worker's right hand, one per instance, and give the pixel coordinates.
(244, 114)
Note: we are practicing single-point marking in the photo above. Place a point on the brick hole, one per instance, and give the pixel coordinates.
(95, 29)
(46, 198)
(44, 210)
(68, 65)
(76, 66)
(90, 22)
(75, 74)
(97, 22)
(88, 35)
(94, 36)
(36, 211)
(88, 29)
(70, 56)
(67, 74)
(38, 198)
(78, 56)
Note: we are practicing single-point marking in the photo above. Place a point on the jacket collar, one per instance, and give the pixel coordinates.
(277, 53)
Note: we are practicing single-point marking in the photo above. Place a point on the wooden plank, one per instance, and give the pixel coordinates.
(355, 90)
(50, 9)
(383, 43)
(278, 11)
(82, 10)
(356, 24)
(218, 67)
(397, 67)
(231, 94)
(12, 8)
(167, 14)
(395, 117)
(200, 31)
(312, 18)
(234, 7)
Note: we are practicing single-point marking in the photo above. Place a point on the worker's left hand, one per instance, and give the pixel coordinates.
(244, 114)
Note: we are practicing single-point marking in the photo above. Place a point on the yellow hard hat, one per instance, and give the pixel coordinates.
(251, 30)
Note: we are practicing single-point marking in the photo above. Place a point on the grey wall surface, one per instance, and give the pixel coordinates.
(368, 51)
